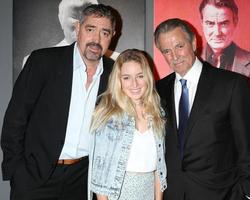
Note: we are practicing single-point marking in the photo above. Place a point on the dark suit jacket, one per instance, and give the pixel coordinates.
(216, 161)
(241, 60)
(35, 122)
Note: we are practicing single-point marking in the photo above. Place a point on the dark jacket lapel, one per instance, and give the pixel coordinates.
(202, 95)
(171, 103)
(107, 68)
(165, 88)
(63, 82)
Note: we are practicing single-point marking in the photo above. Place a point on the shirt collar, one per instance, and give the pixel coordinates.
(78, 62)
(193, 74)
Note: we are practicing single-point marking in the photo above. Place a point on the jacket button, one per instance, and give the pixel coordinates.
(161, 173)
(159, 159)
(159, 145)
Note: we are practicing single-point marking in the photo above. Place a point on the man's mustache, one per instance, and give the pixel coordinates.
(94, 45)
(178, 61)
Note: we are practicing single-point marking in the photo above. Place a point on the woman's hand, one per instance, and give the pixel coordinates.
(101, 197)
(158, 192)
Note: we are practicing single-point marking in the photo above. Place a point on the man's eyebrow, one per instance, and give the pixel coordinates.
(209, 21)
(107, 30)
(90, 26)
(224, 21)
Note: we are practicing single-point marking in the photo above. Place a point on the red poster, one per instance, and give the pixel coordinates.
(189, 11)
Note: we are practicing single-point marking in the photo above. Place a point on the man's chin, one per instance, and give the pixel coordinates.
(218, 45)
(94, 57)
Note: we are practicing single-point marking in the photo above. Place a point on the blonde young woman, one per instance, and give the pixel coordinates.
(127, 160)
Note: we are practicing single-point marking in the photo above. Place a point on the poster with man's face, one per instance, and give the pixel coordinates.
(220, 36)
(39, 24)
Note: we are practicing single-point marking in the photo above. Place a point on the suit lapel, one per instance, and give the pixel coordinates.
(170, 104)
(63, 83)
(241, 59)
(107, 68)
(202, 95)
(167, 94)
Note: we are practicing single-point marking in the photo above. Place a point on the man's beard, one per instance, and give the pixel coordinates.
(93, 56)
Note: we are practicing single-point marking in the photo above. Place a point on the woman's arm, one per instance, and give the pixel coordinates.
(158, 192)
(101, 197)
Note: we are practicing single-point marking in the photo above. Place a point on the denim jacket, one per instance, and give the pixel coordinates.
(108, 160)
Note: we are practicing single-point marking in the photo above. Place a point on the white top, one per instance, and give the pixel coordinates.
(192, 77)
(142, 156)
(82, 104)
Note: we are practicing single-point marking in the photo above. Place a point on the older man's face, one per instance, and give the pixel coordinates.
(177, 50)
(218, 27)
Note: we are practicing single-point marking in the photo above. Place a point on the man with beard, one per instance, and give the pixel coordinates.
(219, 21)
(68, 14)
(45, 135)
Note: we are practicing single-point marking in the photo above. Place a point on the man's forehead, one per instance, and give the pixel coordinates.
(102, 23)
(213, 12)
(97, 20)
(174, 34)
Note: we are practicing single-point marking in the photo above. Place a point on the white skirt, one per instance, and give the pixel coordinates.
(138, 186)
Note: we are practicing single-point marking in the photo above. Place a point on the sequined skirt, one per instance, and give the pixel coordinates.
(138, 186)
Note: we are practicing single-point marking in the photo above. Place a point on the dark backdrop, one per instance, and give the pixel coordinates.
(36, 25)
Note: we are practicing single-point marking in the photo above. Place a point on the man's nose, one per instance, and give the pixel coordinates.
(97, 37)
(174, 55)
(217, 29)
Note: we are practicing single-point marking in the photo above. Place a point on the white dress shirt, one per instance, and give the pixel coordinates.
(192, 77)
(82, 105)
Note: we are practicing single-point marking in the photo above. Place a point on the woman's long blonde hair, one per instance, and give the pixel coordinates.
(115, 102)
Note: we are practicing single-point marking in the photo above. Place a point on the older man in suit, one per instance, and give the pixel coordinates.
(45, 135)
(207, 130)
(219, 21)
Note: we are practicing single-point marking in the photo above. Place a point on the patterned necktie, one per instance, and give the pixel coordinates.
(183, 114)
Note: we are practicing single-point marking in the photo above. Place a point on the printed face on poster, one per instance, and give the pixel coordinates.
(217, 29)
